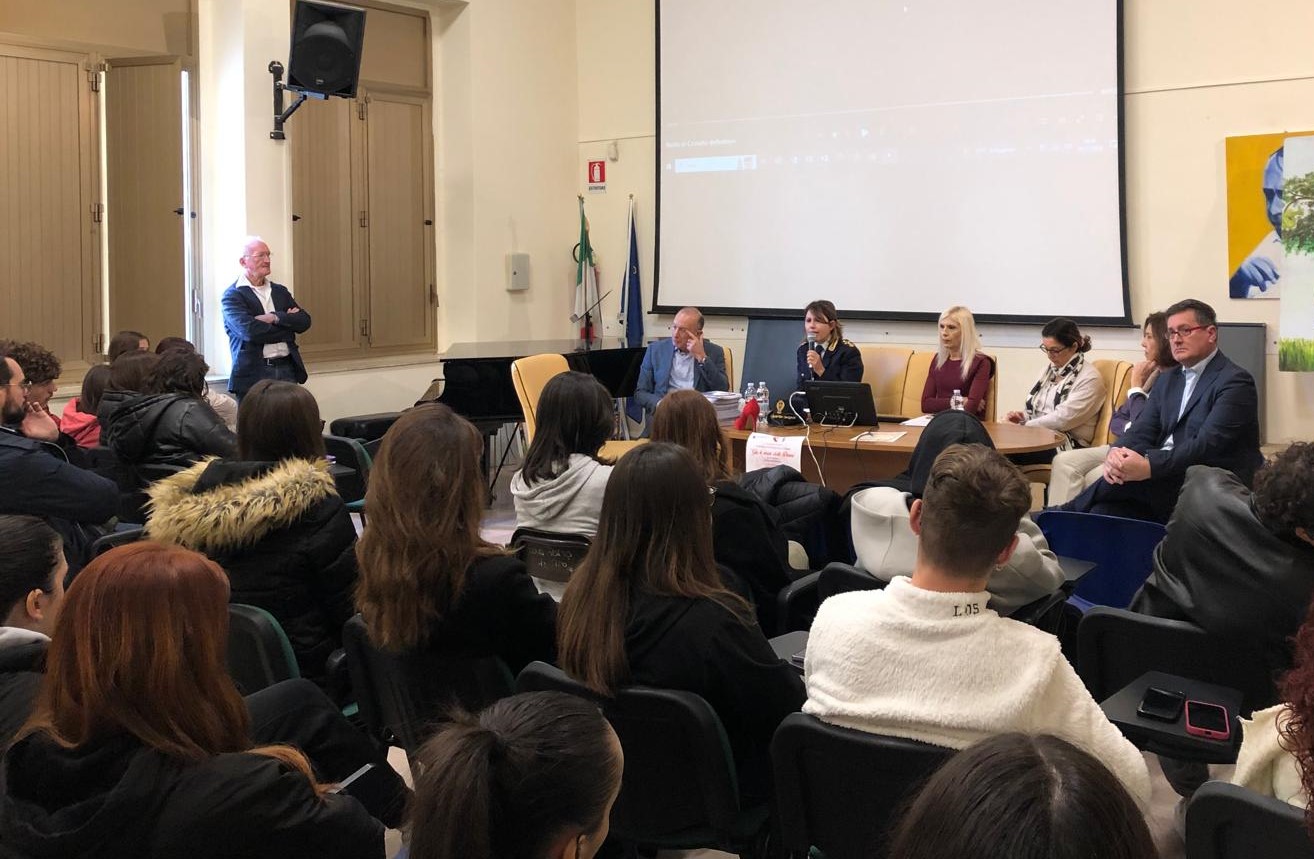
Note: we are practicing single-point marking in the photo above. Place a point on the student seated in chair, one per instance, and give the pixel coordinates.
(926, 659)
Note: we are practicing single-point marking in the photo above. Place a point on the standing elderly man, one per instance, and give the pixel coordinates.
(683, 362)
(262, 320)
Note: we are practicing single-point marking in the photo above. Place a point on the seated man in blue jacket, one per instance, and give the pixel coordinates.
(685, 361)
(1203, 412)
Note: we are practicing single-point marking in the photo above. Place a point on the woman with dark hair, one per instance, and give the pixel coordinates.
(533, 776)
(79, 416)
(140, 744)
(170, 426)
(825, 355)
(648, 606)
(125, 343)
(1016, 796)
(1069, 394)
(886, 546)
(224, 406)
(32, 569)
(428, 580)
(273, 519)
(746, 535)
(559, 488)
(1076, 469)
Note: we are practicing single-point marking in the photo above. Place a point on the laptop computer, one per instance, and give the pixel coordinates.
(841, 403)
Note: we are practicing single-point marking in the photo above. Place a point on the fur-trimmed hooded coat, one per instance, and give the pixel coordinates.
(283, 535)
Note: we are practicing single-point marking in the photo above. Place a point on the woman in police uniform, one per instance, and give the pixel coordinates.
(829, 357)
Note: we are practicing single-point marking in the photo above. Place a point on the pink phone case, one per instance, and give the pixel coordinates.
(1208, 733)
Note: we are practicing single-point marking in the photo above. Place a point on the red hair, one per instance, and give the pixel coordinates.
(140, 648)
(1296, 721)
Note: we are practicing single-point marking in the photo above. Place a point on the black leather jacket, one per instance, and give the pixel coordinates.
(160, 434)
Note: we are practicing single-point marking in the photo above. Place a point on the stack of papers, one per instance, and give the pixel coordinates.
(726, 403)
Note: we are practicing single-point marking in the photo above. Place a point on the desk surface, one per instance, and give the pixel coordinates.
(1171, 738)
(1008, 438)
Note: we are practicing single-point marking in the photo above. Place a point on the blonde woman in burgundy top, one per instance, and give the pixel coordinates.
(948, 371)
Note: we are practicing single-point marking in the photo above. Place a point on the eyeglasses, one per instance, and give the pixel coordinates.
(258, 256)
(1057, 350)
(25, 385)
(711, 496)
(1185, 331)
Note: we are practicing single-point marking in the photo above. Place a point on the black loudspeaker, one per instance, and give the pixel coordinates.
(327, 41)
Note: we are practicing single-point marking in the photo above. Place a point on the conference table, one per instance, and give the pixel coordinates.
(845, 461)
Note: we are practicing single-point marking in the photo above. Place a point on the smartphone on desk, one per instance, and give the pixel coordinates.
(1207, 720)
(1163, 705)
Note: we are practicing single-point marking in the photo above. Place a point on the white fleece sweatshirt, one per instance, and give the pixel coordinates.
(945, 669)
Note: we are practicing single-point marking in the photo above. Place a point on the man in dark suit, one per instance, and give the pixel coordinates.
(262, 320)
(682, 362)
(1205, 412)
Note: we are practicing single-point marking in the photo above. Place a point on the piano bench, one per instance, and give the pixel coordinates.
(364, 427)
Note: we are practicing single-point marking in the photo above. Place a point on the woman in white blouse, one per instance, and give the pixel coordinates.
(1068, 395)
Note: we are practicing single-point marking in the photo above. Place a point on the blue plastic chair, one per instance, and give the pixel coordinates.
(1121, 549)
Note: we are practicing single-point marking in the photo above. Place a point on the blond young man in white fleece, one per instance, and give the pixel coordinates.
(925, 658)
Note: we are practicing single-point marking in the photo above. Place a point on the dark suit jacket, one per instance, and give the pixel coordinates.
(1219, 427)
(247, 336)
(655, 373)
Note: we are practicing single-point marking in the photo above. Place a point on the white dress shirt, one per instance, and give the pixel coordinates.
(266, 295)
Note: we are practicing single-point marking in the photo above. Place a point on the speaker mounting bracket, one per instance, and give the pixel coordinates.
(281, 115)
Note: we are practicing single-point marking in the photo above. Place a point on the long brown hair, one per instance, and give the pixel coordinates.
(279, 420)
(654, 536)
(423, 507)
(140, 648)
(686, 418)
(574, 416)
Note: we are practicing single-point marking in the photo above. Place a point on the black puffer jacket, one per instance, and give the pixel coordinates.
(22, 662)
(160, 434)
(117, 798)
(282, 534)
(809, 513)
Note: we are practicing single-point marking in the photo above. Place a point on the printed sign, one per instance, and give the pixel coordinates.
(768, 451)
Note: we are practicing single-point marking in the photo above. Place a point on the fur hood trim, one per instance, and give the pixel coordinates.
(235, 515)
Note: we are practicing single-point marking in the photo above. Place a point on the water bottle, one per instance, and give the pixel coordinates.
(750, 393)
(956, 401)
(763, 406)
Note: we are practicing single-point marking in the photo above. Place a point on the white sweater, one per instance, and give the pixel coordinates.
(567, 504)
(945, 669)
(1263, 765)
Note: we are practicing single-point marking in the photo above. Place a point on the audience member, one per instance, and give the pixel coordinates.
(1204, 412)
(685, 361)
(140, 744)
(1277, 749)
(37, 477)
(262, 320)
(224, 406)
(32, 569)
(534, 775)
(559, 488)
(926, 659)
(647, 606)
(1074, 470)
(959, 365)
(1017, 796)
(42, 370)
(170, 426)
(1069, 394)
(78, 419)
(126, 342)
(746, 535)
(886, 546)
(825, 355)
(427, 578)
(127, 381)
(272, 519)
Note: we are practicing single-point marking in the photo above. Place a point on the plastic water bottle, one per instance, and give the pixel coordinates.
(956, 401)
(750, 393)
(763, 405)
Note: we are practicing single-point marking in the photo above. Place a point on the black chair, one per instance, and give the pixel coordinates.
(402, 696)
(349, 452)
(1225, 821)
(679, 790)
(839, 790)
(839, 578)
(797, 604)
(1115, 647)
(549, 555)
(259, 653)
(1046, 612)
(101, 545)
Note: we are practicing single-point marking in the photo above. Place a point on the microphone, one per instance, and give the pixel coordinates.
(812, 347)
(576, 317)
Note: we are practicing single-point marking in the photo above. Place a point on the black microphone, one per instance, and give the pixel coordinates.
(576, 317)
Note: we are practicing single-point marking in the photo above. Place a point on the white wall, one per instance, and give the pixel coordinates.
(1196, 71)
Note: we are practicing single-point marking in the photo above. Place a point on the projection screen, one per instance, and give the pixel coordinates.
(894, 156)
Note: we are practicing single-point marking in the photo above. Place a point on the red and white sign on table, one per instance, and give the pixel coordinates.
(597, 176)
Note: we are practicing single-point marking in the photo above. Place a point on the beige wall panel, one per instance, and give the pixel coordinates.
(145, 26)
(324, 221)
(396, 49)
(401, 313)
(45, 197)
(144, 185)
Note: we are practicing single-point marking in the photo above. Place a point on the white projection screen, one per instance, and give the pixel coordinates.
(894, 156)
